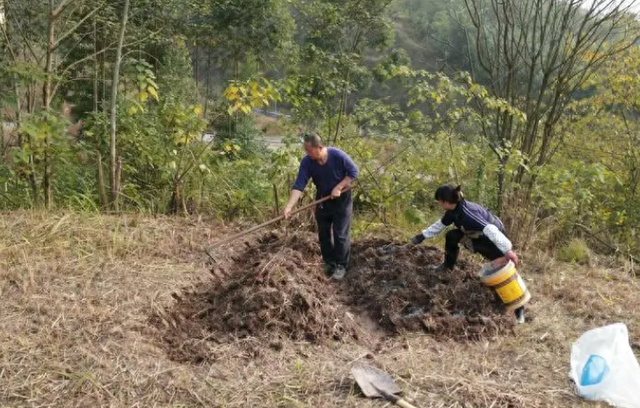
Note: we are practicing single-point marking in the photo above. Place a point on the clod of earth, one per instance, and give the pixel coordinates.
(276, 289)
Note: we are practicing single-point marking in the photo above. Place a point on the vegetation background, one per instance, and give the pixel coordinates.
(170, 106)
(136, 132)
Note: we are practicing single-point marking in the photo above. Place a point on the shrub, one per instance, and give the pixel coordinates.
(575, 251)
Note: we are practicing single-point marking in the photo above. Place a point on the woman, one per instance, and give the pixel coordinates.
(478, 229)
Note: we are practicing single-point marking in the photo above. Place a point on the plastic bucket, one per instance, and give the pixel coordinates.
(507, 283)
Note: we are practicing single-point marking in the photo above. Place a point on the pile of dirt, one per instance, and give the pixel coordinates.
(275, 289)
(395, 284)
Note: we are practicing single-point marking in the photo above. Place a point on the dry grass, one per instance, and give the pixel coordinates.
(77, 292)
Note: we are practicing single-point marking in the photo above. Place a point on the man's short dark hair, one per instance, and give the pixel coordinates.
(313, 139)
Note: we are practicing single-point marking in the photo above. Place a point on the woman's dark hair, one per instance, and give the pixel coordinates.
(449, 194)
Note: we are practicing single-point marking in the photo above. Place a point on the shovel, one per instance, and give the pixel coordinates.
(375, 383)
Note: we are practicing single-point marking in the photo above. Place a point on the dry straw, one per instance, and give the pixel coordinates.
(78, 290)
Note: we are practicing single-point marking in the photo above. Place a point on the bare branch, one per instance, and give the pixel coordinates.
(75, 28)
(536, 54)
(9, 13)
(57, 11)
(72, 48)
(110, 47)
(77, 62)
(6, 38)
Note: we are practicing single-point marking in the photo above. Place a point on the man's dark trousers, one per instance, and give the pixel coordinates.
(334, 216)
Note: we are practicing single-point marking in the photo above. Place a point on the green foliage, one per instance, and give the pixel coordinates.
(175, 73)
(599, 157)
(248, 28)
(414, 216)
(436, 33)
(235, 127)
(575, 251)
(418, 92)
(249, 94)
(41, 130)
(239, 189)
(139, 85)
(333, 38)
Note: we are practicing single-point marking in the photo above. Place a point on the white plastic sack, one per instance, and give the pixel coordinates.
(604, 367)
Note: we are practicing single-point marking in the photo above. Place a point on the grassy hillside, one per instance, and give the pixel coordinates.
(78, 293)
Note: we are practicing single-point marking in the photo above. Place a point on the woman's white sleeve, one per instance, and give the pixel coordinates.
(434, 229)
(493, 233)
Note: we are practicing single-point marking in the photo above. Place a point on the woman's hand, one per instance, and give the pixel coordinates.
(510, 255)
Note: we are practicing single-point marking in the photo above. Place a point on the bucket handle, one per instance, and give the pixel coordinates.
(493, 267)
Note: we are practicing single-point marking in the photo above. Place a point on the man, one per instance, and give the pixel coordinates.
(331, 170)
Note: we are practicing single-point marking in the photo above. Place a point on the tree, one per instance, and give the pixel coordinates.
(333, 37)
(244, 29)
(42, 65)
(435, 34)
(536, 55)
(115, 168)
(595, 177)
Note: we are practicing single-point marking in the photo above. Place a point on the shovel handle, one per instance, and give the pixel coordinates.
(403, 403)
(394, 398)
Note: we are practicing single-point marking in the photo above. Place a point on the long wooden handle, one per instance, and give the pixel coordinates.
(272, 221)
(393, 398)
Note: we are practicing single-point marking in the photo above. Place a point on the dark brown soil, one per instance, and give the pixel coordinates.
(396, 286)
(276, 289)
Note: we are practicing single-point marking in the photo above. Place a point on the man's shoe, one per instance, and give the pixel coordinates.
(329, 269)
(441, 268)
(339, 272)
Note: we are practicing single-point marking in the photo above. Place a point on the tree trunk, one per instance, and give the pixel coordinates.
(176, 197)
(33, 183)
(343, 107)
(103, 76)
(339, 120)
(101, 190)
(196, 63)
(201, 195)
(276, 201)
(114, 95)
(46, 100)
(118, 174)
(95, 67)
(207, 81)
(2, 139)
(185, 211)
(46, 88)
(502, 168)
(16, 89)
(31, 176)
(29, 92)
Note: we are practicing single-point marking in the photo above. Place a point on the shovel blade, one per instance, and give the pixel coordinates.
(372, 380)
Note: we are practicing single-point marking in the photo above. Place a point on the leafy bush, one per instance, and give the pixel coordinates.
(575, 251)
